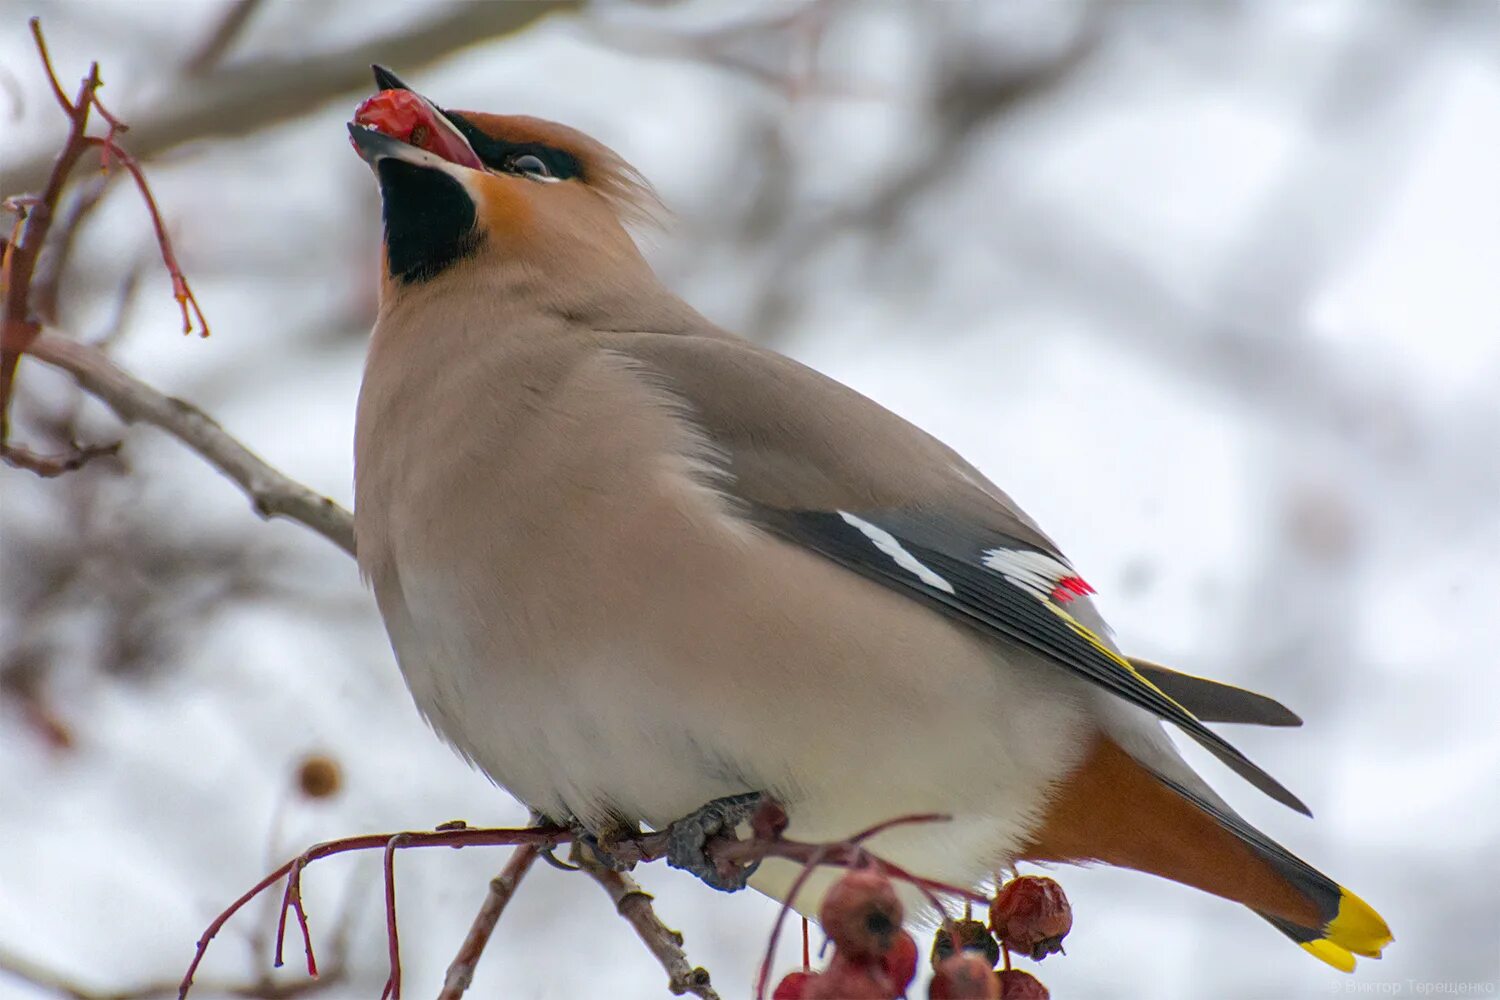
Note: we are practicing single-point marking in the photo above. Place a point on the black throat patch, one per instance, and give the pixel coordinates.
(429, 220)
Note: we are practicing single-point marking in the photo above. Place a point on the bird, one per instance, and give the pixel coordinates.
(641, 571)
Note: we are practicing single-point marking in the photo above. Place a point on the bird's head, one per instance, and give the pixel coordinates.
(462, 189)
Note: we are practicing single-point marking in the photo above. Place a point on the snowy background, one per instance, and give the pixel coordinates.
(1210, 288)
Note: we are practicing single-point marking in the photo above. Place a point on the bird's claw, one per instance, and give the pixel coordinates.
(590, 851)
(688, 837)
(590, 847)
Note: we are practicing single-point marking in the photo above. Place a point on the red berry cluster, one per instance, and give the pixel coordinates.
(874, 959)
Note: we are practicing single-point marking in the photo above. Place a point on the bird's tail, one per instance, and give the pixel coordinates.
(1115, 810)
(1343, 925)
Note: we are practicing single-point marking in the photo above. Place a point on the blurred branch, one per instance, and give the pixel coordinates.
(270, 493)
(242, 99)
(776, 48)
(634, 904)
(335, 974)
(228, 28)
(47, 280)
(971, 95)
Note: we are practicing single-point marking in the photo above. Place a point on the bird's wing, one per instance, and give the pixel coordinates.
(1215, 701)
(826, 468)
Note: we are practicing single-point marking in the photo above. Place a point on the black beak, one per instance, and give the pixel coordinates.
(374, 146)
(386, 80)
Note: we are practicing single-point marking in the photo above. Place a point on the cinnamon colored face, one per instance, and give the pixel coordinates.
(455, 184)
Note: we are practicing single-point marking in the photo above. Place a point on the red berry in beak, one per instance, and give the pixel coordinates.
(408, 116)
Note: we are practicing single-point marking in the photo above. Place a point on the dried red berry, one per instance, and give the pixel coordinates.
(1031, 915)
(964, 976)
(319, 777)
(793, 985)
(900, 963)
(862, 914)
(1018, 985)
(851, 979)
(973, 936)
(769, 821)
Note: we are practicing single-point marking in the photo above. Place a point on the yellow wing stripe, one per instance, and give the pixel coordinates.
(1093, 640)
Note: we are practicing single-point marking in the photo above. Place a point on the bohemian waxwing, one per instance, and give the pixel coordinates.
(637, 569)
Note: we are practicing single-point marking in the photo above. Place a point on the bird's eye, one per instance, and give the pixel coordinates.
(529, 163)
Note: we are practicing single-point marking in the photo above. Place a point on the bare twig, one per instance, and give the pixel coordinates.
(18, 328)
(270, 493)
(18, 265)
(502, 887)
(634, 904)
(181, 291)
(393, 937)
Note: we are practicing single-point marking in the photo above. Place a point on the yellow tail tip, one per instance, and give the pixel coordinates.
(1327, 951)
(1357, 927)
(1356, 930)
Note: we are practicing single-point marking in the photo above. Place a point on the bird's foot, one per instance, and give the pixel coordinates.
(688, 837)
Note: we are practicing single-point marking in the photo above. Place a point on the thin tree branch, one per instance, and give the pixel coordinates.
(502, 888)
(19, 260)
(270, 493)
(634, 904)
